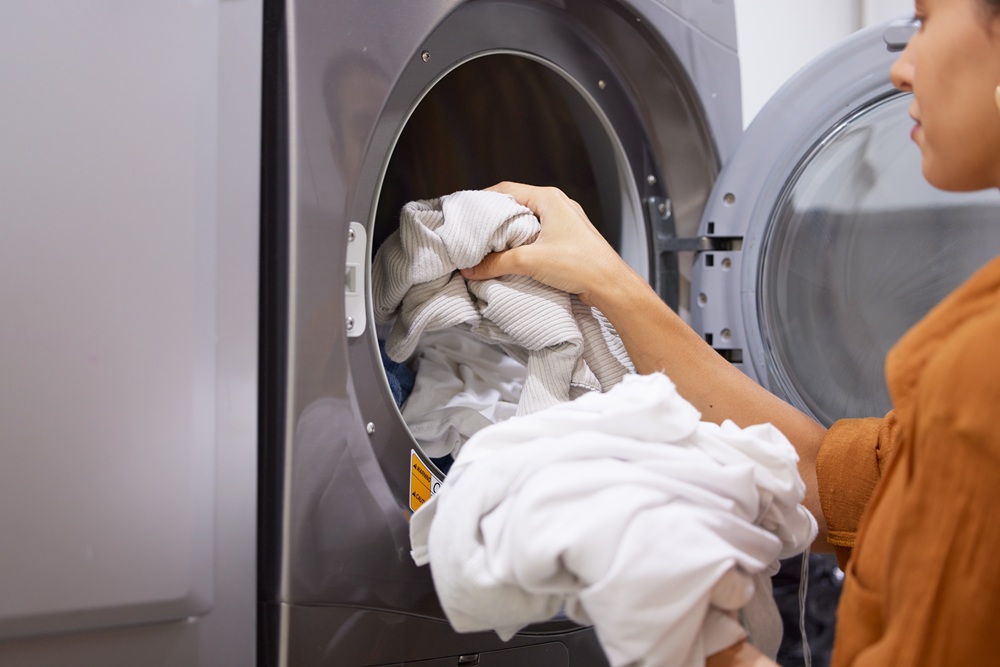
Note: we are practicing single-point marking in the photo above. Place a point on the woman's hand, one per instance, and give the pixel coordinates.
(569, 254)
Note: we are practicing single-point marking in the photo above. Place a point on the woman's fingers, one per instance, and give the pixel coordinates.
(493, 265)
(569, 253)
(537, 198)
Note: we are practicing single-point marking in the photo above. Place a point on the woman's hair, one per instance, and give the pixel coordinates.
(988, 11)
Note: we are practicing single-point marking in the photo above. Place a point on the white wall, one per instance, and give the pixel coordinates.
(777, 37)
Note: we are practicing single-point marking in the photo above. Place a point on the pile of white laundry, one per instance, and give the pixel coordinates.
(462, 385)
(622, 510)
(568, 347)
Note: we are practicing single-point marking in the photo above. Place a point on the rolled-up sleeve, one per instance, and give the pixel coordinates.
(849, 465)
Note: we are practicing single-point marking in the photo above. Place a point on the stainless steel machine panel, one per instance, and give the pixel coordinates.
(128, 284)
(373, 104)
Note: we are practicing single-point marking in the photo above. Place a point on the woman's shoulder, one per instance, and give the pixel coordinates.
(953, 340)
(960, 384)
(970, 347)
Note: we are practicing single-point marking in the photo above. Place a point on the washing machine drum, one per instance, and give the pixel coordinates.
(587, 98)
(498, 117)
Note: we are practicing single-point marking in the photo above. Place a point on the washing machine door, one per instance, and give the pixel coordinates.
(822, 243)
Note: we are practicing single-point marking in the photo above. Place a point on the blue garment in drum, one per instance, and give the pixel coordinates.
(400, 376)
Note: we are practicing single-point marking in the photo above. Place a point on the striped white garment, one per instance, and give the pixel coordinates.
(568, 347)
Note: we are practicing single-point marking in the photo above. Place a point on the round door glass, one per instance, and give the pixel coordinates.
(858, 248)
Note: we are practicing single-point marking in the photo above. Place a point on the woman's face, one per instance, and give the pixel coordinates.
(952, 66)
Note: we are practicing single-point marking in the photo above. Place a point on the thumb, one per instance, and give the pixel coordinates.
(493, 265)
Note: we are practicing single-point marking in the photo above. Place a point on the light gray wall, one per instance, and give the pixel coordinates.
(778, 37)
(129, 171)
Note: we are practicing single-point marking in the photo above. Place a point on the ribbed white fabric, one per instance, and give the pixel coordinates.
(568, 347)
(623, 509)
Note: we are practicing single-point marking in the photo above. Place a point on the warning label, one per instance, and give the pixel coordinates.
(423, 483)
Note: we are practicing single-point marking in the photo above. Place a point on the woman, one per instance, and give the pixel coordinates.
(922, 585)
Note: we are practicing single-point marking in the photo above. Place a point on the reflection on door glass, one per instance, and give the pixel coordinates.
(860, 247)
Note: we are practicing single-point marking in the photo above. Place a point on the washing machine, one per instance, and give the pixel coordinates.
(801, 262)
(629, 107)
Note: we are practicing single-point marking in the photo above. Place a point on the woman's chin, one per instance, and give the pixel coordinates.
(951, 180)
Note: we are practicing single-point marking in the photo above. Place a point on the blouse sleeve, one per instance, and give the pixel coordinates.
(849, 464)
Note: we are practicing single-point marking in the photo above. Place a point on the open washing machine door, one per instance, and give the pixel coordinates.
(630, 106)
(822, 243)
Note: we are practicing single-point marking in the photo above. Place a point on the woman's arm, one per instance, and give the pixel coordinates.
(571, 255)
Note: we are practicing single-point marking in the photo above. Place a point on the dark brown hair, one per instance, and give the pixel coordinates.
(990, 10)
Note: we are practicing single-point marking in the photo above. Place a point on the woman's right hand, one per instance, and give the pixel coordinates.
(569, 253)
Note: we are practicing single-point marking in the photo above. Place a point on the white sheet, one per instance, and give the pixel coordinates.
(462, 386)
(624, 510)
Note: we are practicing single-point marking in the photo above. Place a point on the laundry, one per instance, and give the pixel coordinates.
(462, 385)
(400, 377)
(568, 347)
(624, 511)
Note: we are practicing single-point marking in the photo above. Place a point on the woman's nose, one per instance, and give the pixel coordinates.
(901, 72)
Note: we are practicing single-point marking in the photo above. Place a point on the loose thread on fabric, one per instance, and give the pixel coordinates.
(803, 591)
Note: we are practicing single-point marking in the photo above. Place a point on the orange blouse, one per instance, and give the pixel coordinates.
(923, 581)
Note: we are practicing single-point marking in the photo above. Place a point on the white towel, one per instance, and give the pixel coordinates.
(567, 346)
(623, 509)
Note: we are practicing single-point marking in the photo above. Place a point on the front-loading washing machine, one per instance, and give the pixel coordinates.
(815, 249)
(629, 107)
